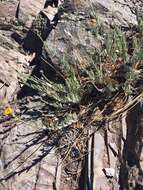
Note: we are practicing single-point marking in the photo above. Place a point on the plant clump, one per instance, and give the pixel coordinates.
(90, 95)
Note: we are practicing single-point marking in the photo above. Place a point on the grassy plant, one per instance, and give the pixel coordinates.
(140, 23)
(69, 92)
(116, 44)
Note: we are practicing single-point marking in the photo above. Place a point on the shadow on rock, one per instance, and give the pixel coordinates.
(35, 149)
(34, 43)
(131, 173)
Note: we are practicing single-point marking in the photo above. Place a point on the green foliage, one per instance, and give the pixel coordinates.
(69, 92)
(72, 83)
(140, 23)
(116, 44)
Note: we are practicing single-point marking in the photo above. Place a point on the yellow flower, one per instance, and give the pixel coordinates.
(93, 22)
(8, 111)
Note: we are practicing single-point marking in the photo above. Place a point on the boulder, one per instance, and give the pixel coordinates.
(28, 10)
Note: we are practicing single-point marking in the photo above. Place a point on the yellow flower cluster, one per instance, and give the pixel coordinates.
(8, 111)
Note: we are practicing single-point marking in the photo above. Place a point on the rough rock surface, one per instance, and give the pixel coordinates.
(118, 153)
(28, 10)
(11, 59)
(8, 8)
(25, 161)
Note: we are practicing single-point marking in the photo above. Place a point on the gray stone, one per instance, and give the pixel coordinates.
(28, 10)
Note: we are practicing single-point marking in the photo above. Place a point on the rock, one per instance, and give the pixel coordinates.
(12, 63)
(74, 31)
(109, 172)
(26, 161)
(119, 12)
(72, 38)
(8, 71)
(28, 10)
(104, 163)
(130, 169)
(99, 180)
(8, 9)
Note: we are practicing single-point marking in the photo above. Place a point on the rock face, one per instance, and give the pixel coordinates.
(40, 170)
(8, 8)
(132, 166)
(27, 160)
(116, 158)
(120, 12)
(28, 10)
(9, 53)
